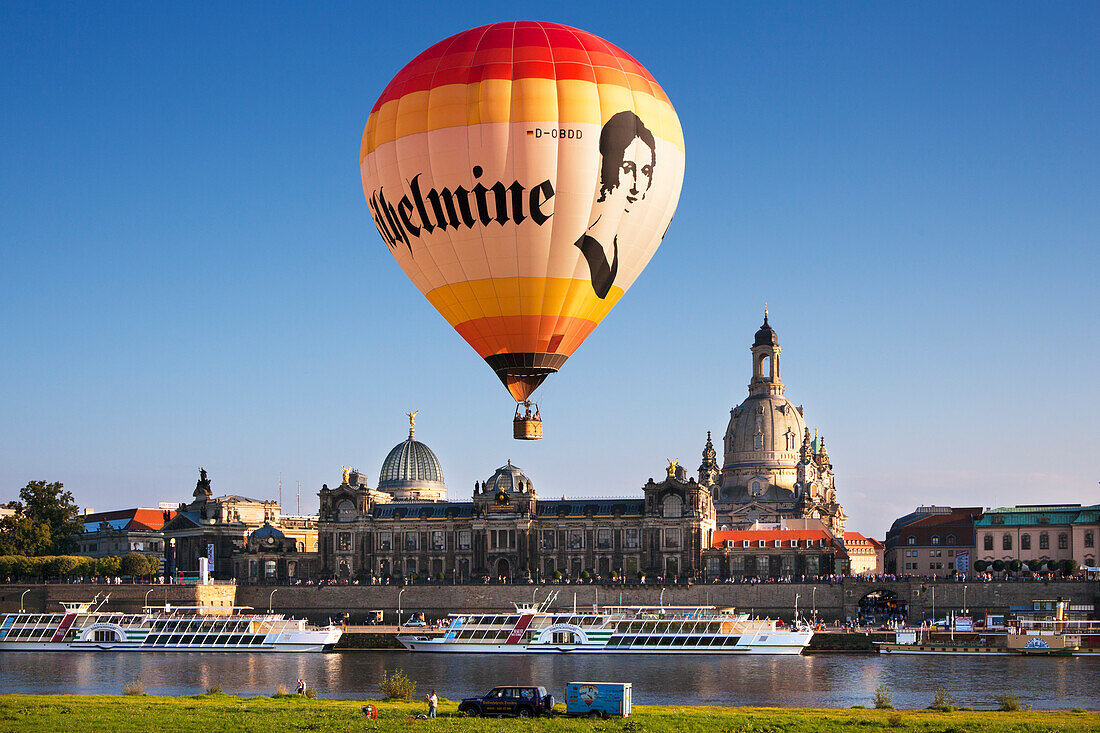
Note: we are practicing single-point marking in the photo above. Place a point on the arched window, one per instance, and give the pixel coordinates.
(758, 441)
(1063, 542)
(1088, 539)
(987, 542)
(910, 540)
(1006, 541)
(672, 507)
(950, 539)
(1044, 541)
(345, 512)
(1025, 542)
(935, 539)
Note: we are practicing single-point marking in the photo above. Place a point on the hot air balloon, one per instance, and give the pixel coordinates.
(523, 174)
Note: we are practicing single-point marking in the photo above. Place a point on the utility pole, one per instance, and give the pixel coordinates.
(280, 489)
(299, 512)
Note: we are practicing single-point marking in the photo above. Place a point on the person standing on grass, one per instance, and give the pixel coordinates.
(301, 686)
(433, 701)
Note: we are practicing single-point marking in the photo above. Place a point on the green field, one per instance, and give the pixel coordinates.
(218, 712)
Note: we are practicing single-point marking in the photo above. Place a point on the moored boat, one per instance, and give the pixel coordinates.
(85, 626)
(1029, 638)
(613, 630)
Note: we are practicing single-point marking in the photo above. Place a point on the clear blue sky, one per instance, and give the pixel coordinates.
(189, 274)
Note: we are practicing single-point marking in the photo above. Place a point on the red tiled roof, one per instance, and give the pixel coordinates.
(151, 519)
(718, 539)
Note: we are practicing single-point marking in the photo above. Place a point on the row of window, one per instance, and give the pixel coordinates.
(933, 540)
(732, 544)
(204, 639)
(30, 634)
(673, 641)
(182, 626)
(573, 539)
(1044, 541)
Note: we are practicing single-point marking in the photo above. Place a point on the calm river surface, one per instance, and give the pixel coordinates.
(809, 681)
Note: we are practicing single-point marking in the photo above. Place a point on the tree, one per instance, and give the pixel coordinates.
(108, 566)
(134, 565)
(45, 522)
(1069, 567)
(981, 565)
(1034, 565)
(1015, 566)
(152, 565)
(63, 565)
(998, 565)
(23, 535)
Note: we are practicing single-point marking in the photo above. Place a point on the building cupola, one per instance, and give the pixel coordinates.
(765, 361)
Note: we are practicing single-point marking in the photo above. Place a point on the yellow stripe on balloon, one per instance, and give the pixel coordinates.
(568, 101)
(522, 296)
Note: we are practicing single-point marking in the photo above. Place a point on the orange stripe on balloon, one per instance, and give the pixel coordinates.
(519, 334)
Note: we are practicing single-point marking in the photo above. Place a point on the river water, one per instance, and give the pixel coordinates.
(835, 680)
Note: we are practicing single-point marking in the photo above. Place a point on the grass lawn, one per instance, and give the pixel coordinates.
(219, 712)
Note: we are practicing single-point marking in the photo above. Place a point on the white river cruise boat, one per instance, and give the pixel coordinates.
(613, 630)
(164, 629)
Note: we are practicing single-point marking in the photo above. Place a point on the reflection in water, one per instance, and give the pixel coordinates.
(810, 681)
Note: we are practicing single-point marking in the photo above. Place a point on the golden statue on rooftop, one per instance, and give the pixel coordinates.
(412, 421)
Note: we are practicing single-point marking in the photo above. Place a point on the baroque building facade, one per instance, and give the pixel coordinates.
(774, 478)
(218, 527)
(508, 532)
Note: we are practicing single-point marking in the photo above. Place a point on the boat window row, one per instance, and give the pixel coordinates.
(508, 621)
(207, 625)
(670, 627)
(588, 620)
(47, 618)
(673, 641)
(204, 639)
(121, 620)
(43, 633)
(487, 635)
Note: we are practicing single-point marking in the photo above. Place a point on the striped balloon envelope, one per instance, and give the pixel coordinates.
(523, 174)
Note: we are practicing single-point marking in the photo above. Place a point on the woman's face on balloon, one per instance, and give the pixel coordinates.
(635, 173)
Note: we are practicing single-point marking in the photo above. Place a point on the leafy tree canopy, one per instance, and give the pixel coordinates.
(46, 521)
(20, 535)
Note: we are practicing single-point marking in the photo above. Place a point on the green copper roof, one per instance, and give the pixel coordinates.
(1030, 515)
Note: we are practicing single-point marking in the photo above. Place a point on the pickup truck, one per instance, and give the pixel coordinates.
(522, 702)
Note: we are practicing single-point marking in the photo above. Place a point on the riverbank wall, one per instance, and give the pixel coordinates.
(831, 601)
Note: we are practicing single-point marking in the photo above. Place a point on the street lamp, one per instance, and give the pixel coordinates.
(661, 602)
(147, 596)
(28, 590)
(399, 606)
(813, 597)
(796, 597)
(965, 609)
(269, 597)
